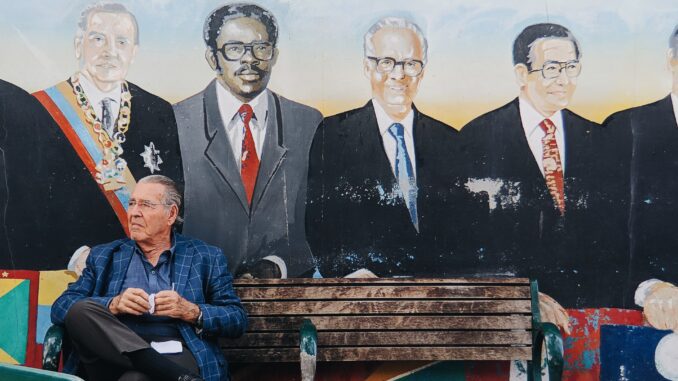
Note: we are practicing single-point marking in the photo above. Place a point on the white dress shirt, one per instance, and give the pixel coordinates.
(674, 100)
(384, 121)
(96, 96)
(234, 125)
(531, 119)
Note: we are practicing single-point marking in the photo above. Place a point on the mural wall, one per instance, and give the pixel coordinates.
(319, 139)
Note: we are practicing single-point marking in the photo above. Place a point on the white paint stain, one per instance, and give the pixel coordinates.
(500, 192)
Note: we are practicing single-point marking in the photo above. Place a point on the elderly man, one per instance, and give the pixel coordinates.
(540, 159)
(153, 306)
(110, 133)
(380, 194)
(650, 132)
(245, 150)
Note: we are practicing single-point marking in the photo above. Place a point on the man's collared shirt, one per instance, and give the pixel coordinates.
(531, 119)
(152, 279)
(674, 101)
(96, 96)
(384, 121)
(234, 125)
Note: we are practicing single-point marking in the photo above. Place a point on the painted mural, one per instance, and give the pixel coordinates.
(315, 139)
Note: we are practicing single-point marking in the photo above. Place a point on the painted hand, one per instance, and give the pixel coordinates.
(553, 312)
(661, 306)
(361, 274)
(170, 303)
(133, 301)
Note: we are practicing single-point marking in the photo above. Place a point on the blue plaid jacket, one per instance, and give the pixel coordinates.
(200, 275)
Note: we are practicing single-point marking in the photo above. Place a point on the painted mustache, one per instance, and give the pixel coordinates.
(249, 69)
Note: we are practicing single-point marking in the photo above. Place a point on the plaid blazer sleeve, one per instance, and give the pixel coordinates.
(85, 286)
(222, 313)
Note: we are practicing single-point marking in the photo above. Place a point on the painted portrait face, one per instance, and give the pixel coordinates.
(107, 48)
(553, 94)
(241, 63)
(394, 90)
(149, 218)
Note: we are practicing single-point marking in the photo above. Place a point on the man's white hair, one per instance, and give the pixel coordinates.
(106, 8)
(397, 23)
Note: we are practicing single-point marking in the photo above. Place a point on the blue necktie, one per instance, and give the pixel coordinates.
(404, 174)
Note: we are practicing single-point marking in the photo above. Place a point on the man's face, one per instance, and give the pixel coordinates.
(150, 223)
(394, 91)
(548, 95)
(672, 58)
(107, 48)
(248, 76)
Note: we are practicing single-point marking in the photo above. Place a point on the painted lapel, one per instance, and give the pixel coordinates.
(218, 150)
(273, 152)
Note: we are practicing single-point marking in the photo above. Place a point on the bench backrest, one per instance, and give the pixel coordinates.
(386, 319)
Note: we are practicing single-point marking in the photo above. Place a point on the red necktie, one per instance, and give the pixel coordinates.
(553, 168)
(249, 161)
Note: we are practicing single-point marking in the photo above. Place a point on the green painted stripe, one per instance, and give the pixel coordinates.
(14, 323)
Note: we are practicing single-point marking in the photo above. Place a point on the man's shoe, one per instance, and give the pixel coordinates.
(189, 377)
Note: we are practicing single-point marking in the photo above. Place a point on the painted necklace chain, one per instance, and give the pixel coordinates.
(111, 167)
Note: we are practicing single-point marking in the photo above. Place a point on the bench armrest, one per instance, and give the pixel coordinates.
(549, 334)
(51, 351)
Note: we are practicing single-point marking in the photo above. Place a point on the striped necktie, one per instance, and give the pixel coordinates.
(553, 168)
(404, 174)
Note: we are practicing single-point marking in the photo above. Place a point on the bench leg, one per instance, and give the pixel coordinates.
(308, 345)
(51, 350)
(547, 333)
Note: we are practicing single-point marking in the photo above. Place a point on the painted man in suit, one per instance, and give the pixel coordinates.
(245, 150)
(536, 160)
(23, 124)
(641, 146)
(109, 133)
(157, 287)
(378, 191)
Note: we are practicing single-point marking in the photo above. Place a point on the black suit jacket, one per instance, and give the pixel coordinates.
(524, 232)
(354, 218)
(645, 142)
(22, 119)
(67, 207)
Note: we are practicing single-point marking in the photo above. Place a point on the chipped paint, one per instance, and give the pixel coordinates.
(501, 193)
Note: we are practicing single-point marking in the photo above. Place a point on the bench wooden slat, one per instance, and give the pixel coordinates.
(292, 323)
(405, 338)
(349, 281)
(386, 307)
(414, 291)
(383, 354)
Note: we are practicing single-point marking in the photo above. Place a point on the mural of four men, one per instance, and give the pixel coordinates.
(529, 189)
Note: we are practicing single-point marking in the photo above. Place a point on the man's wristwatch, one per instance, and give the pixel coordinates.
(198, 322)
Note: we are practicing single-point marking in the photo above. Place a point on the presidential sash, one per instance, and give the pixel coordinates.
(60, 101)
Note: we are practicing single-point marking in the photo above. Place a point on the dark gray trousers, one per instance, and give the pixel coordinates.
(102, 341)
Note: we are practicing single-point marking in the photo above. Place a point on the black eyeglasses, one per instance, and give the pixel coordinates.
(411, 67)
(552, 69)
(234, 51)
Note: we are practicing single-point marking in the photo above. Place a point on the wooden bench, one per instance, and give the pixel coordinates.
(385, 319)
(393, 319)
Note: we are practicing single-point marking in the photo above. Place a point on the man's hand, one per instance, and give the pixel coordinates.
(553, 312)
(133, 301)
(170, 303)
(661, 306)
